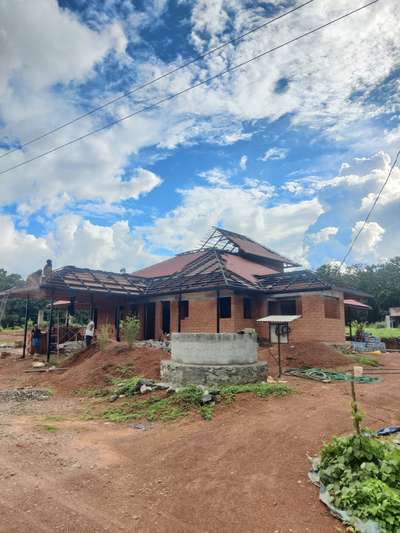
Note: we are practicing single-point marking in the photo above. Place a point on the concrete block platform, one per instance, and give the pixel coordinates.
(184, 373)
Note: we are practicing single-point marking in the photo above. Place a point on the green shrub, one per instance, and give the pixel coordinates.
(130, 328)
(126, 386)
(189, 396)
(207, 411)
(368, 361)
(362, 474)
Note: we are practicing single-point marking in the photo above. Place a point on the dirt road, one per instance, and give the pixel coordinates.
(244, 471)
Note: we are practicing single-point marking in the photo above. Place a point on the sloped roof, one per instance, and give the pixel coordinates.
(350, 302)
(86, 279)
(208, 270)
(169, 266)
(297, 281)
(245, 268)
(302, 281)
(248, 246)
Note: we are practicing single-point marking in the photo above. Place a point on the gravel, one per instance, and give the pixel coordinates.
(21, 395)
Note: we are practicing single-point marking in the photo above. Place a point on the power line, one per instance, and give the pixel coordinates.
(370, 211)
(154, 80)
(187, 89)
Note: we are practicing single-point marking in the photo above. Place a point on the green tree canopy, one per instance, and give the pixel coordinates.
(382, 281)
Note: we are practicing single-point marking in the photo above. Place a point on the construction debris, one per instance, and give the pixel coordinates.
(20, 395)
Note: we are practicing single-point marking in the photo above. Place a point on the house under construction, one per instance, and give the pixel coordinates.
(224, 286)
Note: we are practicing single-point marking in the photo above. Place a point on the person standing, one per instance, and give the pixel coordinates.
(35, 339)
(89, 333)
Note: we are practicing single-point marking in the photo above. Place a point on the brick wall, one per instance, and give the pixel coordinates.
(203, 317)
(203, 313)
(313, 326)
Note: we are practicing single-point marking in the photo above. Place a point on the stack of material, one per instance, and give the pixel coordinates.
(371, 344)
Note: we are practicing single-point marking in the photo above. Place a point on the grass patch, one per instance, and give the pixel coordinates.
(92, 392)
(152, 409)
(362, 474)
(49, 428)
(207, 411)
(387, 333)
(126, 371)
(125, 386)
(365, 360)
(262, 390)
(185, 400)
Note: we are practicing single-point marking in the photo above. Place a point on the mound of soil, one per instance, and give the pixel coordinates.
(92, 368)
(304, 354)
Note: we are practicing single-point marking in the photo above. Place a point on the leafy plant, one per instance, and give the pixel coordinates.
(207, 411)
(188, 396)
(103, 337)
(362, 474)
(130, 328)
(126, 386)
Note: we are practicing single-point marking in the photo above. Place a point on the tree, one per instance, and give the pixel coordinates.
(15, 310)
(382, 281)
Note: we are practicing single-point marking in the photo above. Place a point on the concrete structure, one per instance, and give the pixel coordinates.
(393, 318)
(214, 348)
(213, 359)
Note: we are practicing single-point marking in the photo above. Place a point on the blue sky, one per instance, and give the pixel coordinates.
(289, 150)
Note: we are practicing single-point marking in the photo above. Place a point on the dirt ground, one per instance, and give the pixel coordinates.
(243, 471)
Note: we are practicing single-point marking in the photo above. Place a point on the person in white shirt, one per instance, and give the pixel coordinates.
(89, 333)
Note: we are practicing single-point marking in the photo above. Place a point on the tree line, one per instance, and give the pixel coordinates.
(381, 281)
(15, 310)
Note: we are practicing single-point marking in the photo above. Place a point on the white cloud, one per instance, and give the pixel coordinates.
(109, 248)
(369, 238)
(216, 176)
(21, 252)
(282, 227)
(73, 241)
(324, 234)
(42, 44)
(243, 162)
(274, 154)
(293, 187)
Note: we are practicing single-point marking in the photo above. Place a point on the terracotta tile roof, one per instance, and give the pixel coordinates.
(245, 268)
(169, 266)
(355, 303)
(248, 246)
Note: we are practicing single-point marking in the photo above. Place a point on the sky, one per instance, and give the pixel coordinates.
(289, 150)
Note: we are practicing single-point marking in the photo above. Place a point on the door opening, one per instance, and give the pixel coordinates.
(149, 320)
(166, 317)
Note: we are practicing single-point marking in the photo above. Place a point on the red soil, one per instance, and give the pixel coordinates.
(304, 354)
(92, 368)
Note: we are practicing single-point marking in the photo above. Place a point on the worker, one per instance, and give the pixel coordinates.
(35, 339)
(89, 333)
(47, 269)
